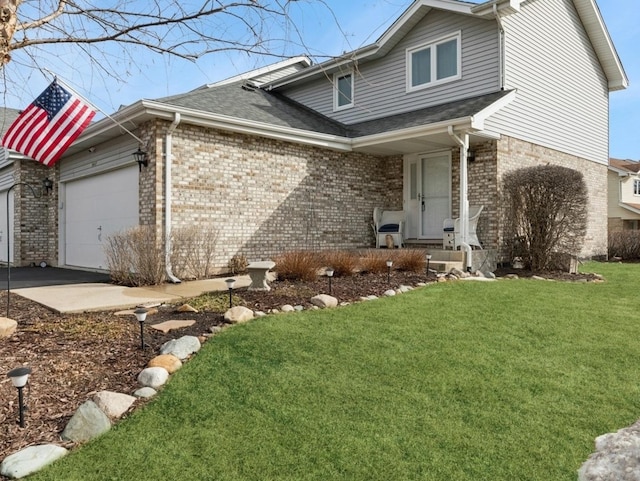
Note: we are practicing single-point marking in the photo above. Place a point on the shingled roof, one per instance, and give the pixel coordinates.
(243, 101)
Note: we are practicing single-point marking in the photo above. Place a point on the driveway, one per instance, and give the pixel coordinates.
(24, 277)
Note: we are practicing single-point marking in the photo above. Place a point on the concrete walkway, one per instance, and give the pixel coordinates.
(73, 298)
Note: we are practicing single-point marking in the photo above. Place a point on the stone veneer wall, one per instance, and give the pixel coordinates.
(482, 188)
(35, 226)
(264, 196)
(485, 187)
(514, 154)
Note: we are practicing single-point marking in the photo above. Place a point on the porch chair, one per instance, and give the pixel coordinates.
(388, 222)
(453, 226)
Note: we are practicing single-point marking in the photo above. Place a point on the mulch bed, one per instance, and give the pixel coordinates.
(75, 356)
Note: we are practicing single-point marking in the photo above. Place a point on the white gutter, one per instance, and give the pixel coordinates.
(464, 201)
(168, 158)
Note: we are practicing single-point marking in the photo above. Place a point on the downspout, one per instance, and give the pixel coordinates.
(168, 158)
(464, 201)
(501, 47)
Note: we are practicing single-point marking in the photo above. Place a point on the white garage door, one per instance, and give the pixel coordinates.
(97, 207)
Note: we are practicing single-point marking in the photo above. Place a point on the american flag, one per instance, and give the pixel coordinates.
(49, 125)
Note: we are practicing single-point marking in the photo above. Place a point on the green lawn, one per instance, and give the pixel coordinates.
(507, 380)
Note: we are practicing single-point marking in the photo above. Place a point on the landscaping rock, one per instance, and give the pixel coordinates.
(113, 404)
(183, 347)
(259, 314)
(617, 457)
(215, 329)
(145, 392)
(88, 422)
(7, 327)
(324, 300)
(238, 314)
(186, 308)
(287, 308)
(298, 308)
(173, 324)
(154, 377)
(389, 293)
(405, 288)
(167, 361)
(30, 460)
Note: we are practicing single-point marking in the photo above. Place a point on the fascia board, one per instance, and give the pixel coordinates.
(602, 43)
(204, 119)
(505, 7)
(464, 123)
(629, 208)
(488, 111)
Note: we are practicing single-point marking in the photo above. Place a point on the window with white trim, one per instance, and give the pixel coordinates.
(342, 90)
(636, 187)
(434, 63)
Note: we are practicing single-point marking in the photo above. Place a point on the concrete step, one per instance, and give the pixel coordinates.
(445, 266)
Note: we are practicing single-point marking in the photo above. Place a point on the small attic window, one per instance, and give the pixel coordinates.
(342, 91)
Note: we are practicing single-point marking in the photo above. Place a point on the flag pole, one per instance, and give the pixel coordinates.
(95, 107)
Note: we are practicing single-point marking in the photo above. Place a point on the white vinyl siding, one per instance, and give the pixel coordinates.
(429, 65)
(562, 100)
(381, 85)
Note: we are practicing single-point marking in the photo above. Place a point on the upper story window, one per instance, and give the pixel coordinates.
(636, 187)
(434, 63)
(342, 91)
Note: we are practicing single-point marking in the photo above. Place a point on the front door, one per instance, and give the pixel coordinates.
(428, 194)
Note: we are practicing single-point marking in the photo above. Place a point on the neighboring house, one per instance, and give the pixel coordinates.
(624, 195)
(296, 156)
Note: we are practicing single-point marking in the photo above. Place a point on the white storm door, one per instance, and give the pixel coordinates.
(96, 208)
(6, 234)
(434, 193)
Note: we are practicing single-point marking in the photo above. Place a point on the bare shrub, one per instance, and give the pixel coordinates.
(238, 264)
(374, 262)
(624, 244)
(298, 265)
(133, 258)
(344, 263)
(546, 212)
(410, 260)
(192, 251)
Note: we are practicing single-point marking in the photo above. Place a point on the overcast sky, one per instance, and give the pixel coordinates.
(361, 22)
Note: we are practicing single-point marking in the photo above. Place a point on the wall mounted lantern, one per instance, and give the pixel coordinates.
(141, 158)
(47, 184)
(471, 155)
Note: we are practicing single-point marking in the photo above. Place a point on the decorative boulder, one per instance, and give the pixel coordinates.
(617, 457)
(29, 460)
(113, 404)
(324, 300)
(167, 361)
(238, 314)
(154, 377)
(145, 392)
(87, 423)
(7, 327)
(182, 348)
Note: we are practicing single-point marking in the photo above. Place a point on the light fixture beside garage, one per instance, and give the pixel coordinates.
(141, 158)
(47, 184)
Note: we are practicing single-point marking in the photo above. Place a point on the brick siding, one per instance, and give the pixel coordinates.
(264, 197)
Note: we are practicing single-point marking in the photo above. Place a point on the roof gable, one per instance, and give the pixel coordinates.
(587, 9)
